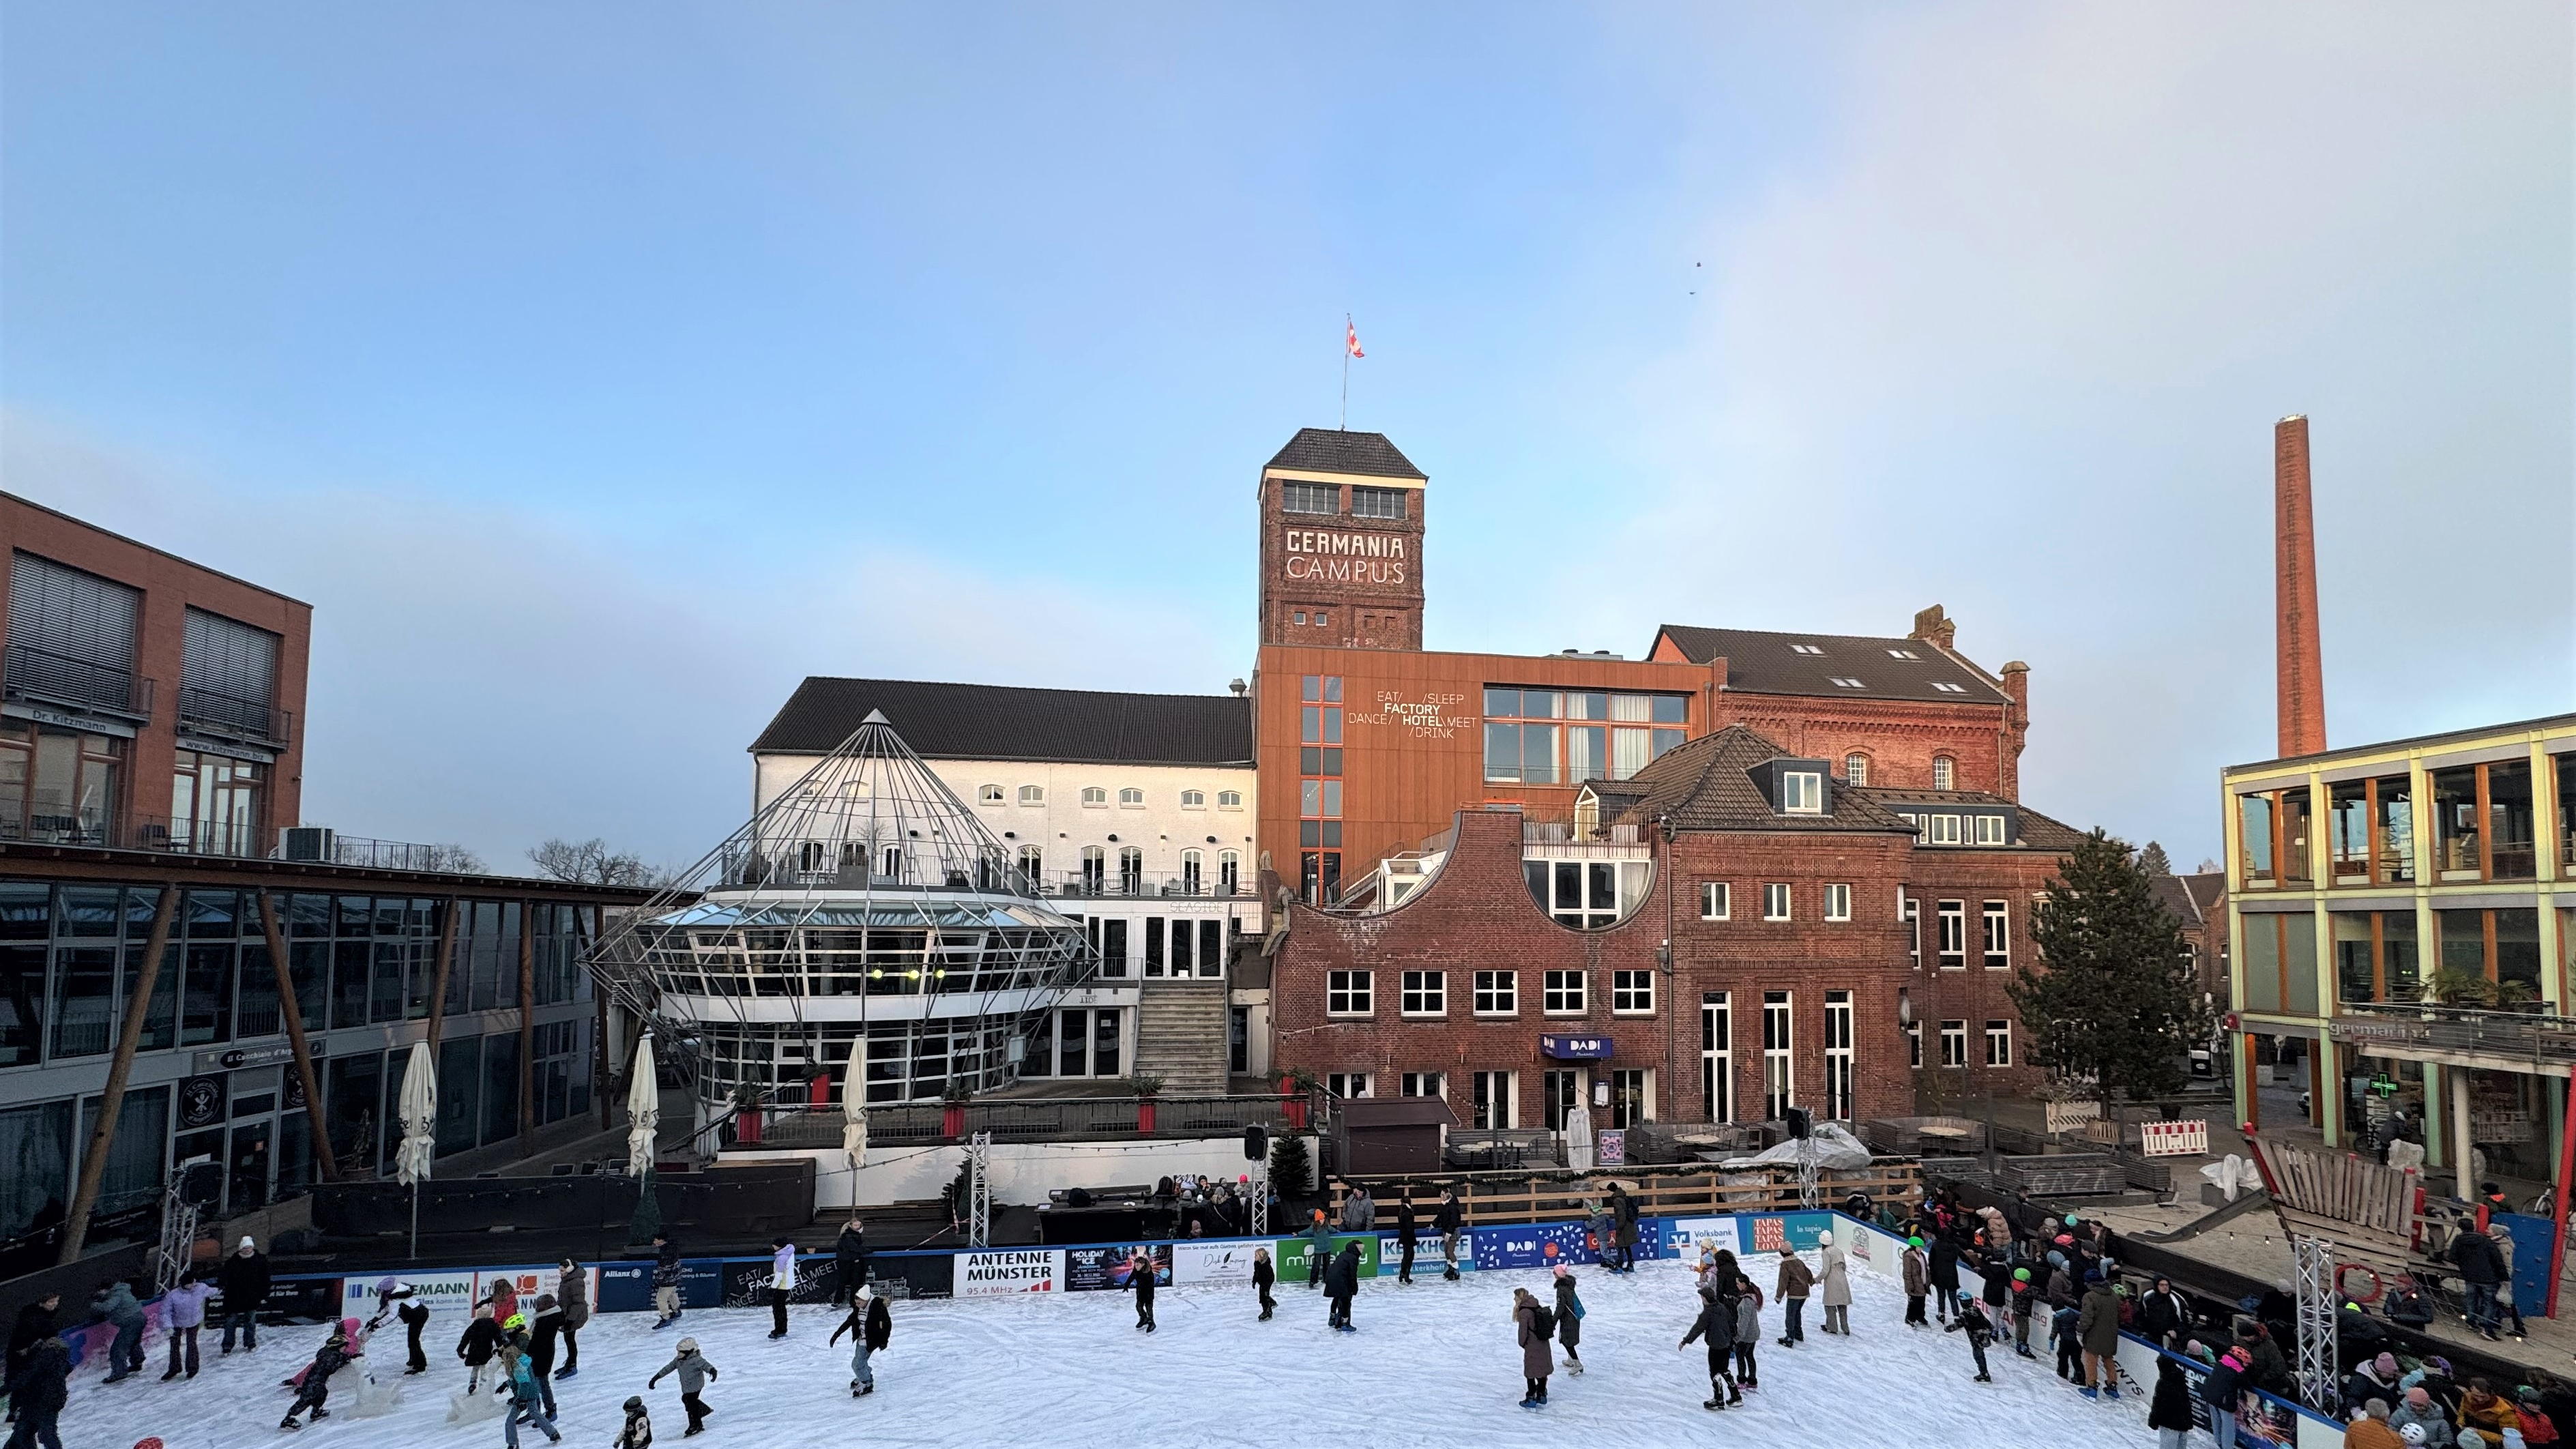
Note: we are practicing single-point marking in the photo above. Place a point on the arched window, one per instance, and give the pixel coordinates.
(1033, 865)
(893, 863)
(1131, 870)
(1131, 796)
(1945, 773)
(1229, 799)
(1094, 795)
(1033, 794)
(1855, 768)
(989, 795)
(1095, 870)
(1229, 870)
(1191, 861)
(1194, 799)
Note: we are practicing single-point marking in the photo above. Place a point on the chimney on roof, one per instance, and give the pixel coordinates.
(1935, 628)
(2300, 668)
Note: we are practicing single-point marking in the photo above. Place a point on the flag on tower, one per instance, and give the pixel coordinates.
(1351, 338)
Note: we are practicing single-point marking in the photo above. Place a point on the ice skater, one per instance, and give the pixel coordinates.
(1944, 1258)
(1918, 1282)
(1342, 1284)
(2070, 1348)
(1833, 1285)
(1796, 1279)
(1622, 1244)
(1569, 1320)
(244, 1281)
(638, 1430)
(476, 1345)
(397, 1299)
(572, 1291)
(543, 1332)
(1530, 1320)
(870, 1326)
(1445, 1222)
(186, 1307)
(2097, 1329)
(1140, 1276)
(1264, 1277)
(782, 1284)
(1716, 1324)
(1980, 1330)
(37, 1393)
(1319, 1250)
(114, 1302)
(849, 1261)
(1748, 1330)
(316, 1387)
(666, 1282)
(526, 1392)
(695, 1373)
(1404, 1236)
(2025, 1298)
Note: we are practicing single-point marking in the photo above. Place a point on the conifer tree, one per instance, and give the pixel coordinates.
(2114, 995)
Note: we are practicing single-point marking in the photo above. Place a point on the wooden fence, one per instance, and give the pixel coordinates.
(1492, 1198)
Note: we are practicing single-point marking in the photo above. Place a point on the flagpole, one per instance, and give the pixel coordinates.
(1346, 372)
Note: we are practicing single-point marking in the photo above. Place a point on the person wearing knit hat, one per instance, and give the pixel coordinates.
(2418, 1412)
(1917, 1271)
(243, 1280)
(1319, 1249)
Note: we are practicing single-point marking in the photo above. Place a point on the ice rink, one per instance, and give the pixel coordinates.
(1432, 1364)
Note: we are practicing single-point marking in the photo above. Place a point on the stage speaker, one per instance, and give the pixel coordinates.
(1800, 1123)
(1256, 1143)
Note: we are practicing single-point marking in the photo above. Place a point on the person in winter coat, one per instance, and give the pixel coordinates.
(2374, 1378)
(2223, 1390)
(849, 1261)
(2538, 1428)
(2097, 1326)
(2169, 1411)
(115, 1303)
(186, 1307)
(1623, 1228)
(1917, 1270)
(572, 1294)
(870, 1325)
(1796, 1279)
(1406, 1236)
(1342, 1284)
(481, 1339)
(1569, 1321)
(2162, 1314)
(2065, 1338)
(543, 1331)
(316, 1386)
(398, 1298)
(2025, 1301)
(2407, 1307)
(1945, 1275)
(38, 1391)
(243, 1280)
(36, 1323)
(2486, 1411)
(527, 1394)
(1537, 1359)
(1140, 1277)
(1980, 1330)
(2481, 1268)
(666, 1282)
(2370, 1429)
(2418, 1409)
(1833, 1285)
(782, 1284)
(694, 1372)
(1359, 1211)
(2271, 1370)
(1748, 1330)
(1264, 1277)
(2510, 1310)
(1446, 1223)
(1319, 1250)
(1716, 1323)
(638, 1430)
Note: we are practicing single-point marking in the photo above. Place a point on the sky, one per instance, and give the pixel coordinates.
(599, 371)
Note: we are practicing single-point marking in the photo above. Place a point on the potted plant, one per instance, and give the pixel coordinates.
(952, 1109)
(1146, 1086)
(1294, 1084)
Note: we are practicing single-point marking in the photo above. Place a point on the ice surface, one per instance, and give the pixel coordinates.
(1432, 1364)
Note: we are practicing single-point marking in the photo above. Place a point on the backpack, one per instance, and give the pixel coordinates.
(1578, 1307)
(1543, 1322)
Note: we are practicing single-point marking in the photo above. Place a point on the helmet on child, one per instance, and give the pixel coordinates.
(634, 1403)
(515, 1322)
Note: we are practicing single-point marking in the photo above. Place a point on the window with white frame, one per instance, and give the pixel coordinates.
(1562, 993)
(1310, 498)
(1033, 794)
(1998, 936)
(1349, 993)
(1914, 1044)
(1094, 795)
(1712, 900)
(1910, 911)
(1717, 1055)
(1953, 936)
(1131, 796)
(1779, 1056)
(1990, 829)
(1349, 1084)
(1632, 993)
(1229, 799)
(1945, 829)
(1425, 993)
(1954, 1043)
(1194, 799)
(1033, 863)
(1229, 871)
(1490, 1100)
(1498, 993)
(988, 795)
(1838, 903)
(1999, 1043)
(1422, 1084)
(1856, 768)
(1775, 902)
(1945, 773)
(1838, 1055)
(1802, 792)
(1377, 502)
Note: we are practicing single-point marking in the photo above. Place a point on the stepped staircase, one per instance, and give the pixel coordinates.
(1181, 1036)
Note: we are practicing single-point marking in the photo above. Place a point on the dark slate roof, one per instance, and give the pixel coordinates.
(1330, 450)
(2208, 891)
(1703, 785)
(2177, 898)
(997, 722)
(1761, 662)
(2038, 832)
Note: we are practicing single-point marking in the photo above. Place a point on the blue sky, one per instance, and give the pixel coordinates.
(599, 371)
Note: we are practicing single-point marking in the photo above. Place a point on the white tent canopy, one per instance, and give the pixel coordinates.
(419, 1106)
(643, 1107)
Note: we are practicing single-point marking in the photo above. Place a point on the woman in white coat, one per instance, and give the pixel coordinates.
(1833, 1285)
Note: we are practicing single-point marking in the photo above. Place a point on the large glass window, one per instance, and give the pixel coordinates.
(2279, 956)
(2375, 956)
(138, 1151)
(1838, 1055)
(2458, 830)
(1779, 1059)
(2254, 818)
(1717, 1055)
(26, 928)
(57, 786)
(1310, 498)
(214, 804)
(2372, 833)
(1377, 502)
(1587, 894)
(1564, 737)
(35, 1166)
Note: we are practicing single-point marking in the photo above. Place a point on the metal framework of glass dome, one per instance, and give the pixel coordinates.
(865, 903)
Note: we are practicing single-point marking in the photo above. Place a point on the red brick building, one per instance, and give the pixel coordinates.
(1733, 930)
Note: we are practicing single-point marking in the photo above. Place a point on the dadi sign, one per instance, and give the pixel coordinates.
(1028, 1270)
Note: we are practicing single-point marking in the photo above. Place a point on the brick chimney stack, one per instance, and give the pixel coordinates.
(2301, 665)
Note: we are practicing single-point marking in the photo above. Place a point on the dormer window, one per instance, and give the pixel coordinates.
(1903, 654)
(1841, 682)
(1802, 792)
(1946, 687)
(1805, 649)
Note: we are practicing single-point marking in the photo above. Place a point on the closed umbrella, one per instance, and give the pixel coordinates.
(420, 1129)
(644, 1118)
(854, 1136)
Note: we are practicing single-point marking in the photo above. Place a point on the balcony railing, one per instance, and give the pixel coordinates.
(135, 832)
(43, 674)
(2530, 1035)
(1039, 1119)
(222, 714)
(1140, 883)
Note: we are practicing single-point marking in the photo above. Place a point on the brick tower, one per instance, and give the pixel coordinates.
(2300, 666)
(1341, 543)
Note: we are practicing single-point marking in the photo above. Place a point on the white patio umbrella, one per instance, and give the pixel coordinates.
(420, 1129)
(643, 1108)
(854, 1136)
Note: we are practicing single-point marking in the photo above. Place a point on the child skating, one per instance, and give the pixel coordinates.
(695, 1373)
(1264, 1278)
(475, 1346)
(1533, 1325)
(1748, 1330)
(317, 1380)
(1980, 1330)
(1140, 1276)
(1569, 1320)
(638, 1430)
(1716, 1323)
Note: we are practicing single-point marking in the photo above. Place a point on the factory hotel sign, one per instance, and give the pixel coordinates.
(1343, 558)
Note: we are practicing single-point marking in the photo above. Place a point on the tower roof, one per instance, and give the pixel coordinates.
(1331, 450)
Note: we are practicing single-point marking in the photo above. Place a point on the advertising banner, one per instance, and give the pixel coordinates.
(746, 1282)
(1093, 1270)
(1290, 1253)
(1770, 1232)
(1017, 1270)
(624, 1287)
(444, 1291)
(1689, 1238)
(1194, 1263)
(1535, 1245)
(1613, 1151)
(524, 1283)
(702, 1282)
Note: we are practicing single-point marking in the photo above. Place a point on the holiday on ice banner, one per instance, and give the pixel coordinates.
(1092, 1270)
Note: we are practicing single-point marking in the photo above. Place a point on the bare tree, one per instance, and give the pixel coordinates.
(453, 859)
(591, 862)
